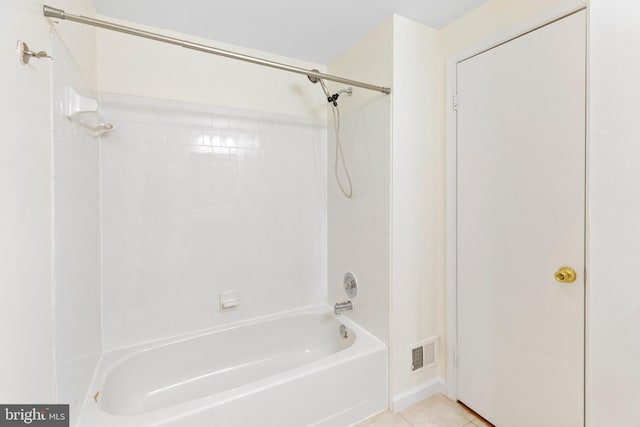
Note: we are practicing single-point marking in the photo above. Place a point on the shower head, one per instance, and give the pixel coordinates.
(332, 99)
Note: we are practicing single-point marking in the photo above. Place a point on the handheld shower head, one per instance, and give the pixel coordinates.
(332, 99)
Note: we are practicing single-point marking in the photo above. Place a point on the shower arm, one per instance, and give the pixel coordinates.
(51, 12)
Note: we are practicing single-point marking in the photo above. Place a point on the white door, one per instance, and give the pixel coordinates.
(521, 210)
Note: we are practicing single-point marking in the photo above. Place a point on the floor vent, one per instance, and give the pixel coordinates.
(424, 354)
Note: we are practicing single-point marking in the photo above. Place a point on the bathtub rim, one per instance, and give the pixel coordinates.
(120, 354)
(365, 343)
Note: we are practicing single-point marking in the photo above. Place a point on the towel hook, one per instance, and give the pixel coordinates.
(25, 54)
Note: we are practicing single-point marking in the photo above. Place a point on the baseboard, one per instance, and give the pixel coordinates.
(416, 394)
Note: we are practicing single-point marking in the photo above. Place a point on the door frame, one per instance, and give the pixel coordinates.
(548, 15)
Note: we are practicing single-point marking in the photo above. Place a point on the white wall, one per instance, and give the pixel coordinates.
(198, 200)
(27, 365)
(614, 209)
(401, 53)
(26, 307)
(486, 20)
(417, 221)
(370, 60)
(358, 228)
(136, 66)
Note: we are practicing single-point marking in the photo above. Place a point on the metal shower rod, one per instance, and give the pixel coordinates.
(52, 12)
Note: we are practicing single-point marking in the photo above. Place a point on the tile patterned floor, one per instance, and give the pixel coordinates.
(436, 411)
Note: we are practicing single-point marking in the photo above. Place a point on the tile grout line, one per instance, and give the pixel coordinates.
(406, 420)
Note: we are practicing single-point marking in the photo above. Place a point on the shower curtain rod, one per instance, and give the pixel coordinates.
(52, 12)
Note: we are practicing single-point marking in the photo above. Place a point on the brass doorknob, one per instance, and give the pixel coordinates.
(565, 275)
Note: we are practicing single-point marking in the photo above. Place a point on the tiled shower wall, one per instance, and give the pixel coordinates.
(76, 228)
(199, 200)
(358, 235)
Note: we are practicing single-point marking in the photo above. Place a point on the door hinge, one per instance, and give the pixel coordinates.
(455, 103)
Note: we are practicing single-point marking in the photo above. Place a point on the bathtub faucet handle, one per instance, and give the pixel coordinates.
(342, 306)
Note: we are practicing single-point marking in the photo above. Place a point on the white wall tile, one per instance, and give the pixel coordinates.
(198, 200)
(358, 227)
(78, 339)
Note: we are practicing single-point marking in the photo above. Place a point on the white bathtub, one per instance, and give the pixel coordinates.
(287, 370)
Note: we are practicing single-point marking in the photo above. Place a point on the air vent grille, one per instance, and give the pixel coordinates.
(417, 358)
(424, 354)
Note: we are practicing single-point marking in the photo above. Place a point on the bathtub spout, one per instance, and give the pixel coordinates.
(342, 306)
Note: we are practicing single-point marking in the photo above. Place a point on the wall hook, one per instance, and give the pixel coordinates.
(25, 54)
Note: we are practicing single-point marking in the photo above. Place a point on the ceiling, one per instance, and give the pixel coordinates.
(316, 31)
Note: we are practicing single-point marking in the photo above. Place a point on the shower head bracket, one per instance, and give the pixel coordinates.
(313, 79)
